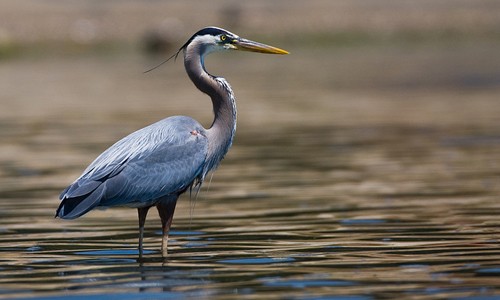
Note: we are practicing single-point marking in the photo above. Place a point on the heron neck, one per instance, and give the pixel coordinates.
(221, 132)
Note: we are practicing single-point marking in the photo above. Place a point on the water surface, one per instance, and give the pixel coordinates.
(353, 195)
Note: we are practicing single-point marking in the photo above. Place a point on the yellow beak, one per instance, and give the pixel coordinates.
(247, 45)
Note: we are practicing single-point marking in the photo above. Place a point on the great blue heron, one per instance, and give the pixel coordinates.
(154, 165)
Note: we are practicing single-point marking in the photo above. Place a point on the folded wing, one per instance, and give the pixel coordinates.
(161, 159)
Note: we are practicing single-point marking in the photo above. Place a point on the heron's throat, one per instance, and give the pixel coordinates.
(223, 128)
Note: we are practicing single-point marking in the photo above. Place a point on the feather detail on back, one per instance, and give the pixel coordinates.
(161, 159)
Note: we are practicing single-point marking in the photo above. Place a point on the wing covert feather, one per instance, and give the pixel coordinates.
(161, 159)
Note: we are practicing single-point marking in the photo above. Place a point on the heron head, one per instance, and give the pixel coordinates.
(212, 39)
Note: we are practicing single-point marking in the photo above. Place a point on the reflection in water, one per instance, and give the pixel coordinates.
(348, 210)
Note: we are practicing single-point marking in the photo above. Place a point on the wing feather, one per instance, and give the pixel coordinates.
(161, 159)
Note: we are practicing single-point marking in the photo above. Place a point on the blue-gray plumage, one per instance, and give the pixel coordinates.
(154, 165)
(162, 158)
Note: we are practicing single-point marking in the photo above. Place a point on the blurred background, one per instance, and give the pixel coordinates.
(62, 52)
(374, 143)
(72, 71)
(404, 76)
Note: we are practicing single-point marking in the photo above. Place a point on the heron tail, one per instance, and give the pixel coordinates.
(76, 202)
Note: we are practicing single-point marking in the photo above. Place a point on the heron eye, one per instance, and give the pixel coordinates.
(223, 38)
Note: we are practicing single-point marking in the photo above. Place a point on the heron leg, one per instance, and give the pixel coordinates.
(166, 211)
(143, 212)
